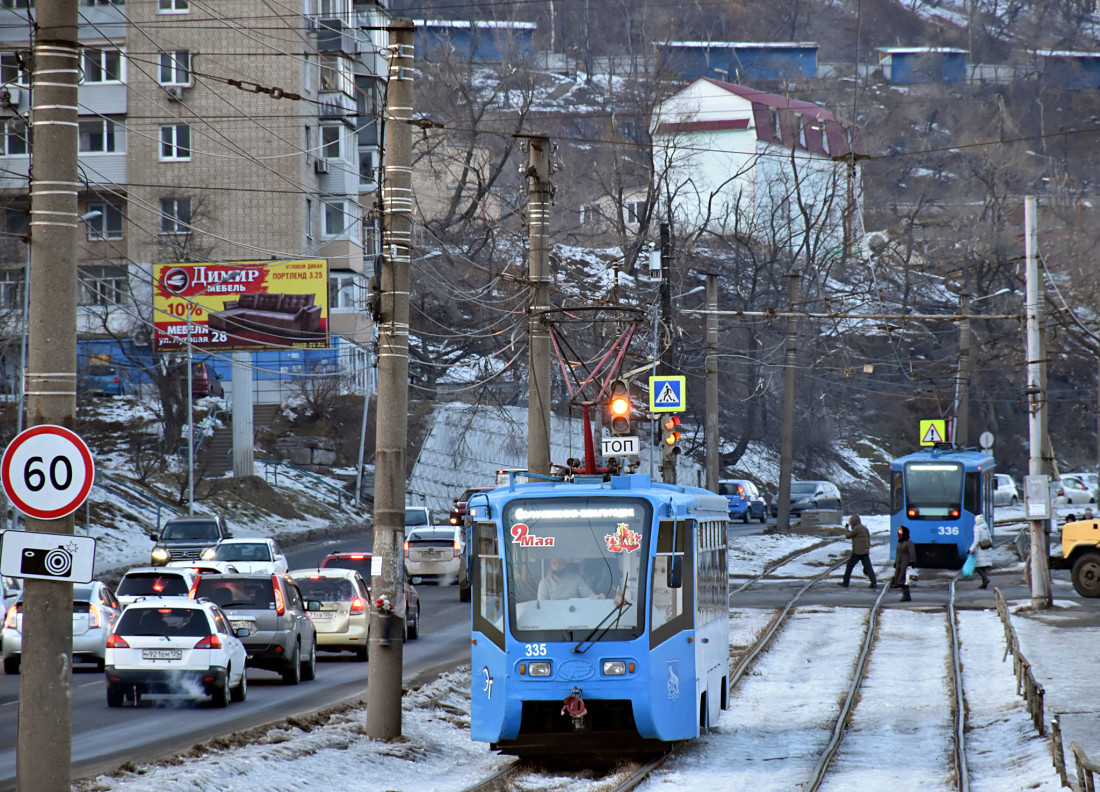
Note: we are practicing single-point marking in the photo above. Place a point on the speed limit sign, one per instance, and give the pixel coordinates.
(48, 471)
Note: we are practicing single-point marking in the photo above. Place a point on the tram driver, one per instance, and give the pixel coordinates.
(560, 582)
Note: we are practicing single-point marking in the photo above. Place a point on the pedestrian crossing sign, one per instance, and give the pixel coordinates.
(933, 431)
(667, 394)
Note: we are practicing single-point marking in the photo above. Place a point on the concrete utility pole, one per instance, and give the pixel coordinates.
(243, 435)
(786, 435)
(538, 335)
(712, 383)
(1040, 591)
(962, 376)
(45, 738)
(668, 461)
(392, 429)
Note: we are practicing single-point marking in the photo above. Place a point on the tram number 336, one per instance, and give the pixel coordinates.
(535, 650)
(947, 530)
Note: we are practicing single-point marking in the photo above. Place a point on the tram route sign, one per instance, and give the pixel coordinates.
(620, 446)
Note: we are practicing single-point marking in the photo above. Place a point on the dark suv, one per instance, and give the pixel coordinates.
(184, 538)
(281, 636)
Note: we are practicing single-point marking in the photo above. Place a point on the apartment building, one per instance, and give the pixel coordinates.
(207, 133)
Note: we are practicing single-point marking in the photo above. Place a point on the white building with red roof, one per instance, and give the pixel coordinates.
(732, 159)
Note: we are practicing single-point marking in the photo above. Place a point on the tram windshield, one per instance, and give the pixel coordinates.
(575, 565)
(933, 490)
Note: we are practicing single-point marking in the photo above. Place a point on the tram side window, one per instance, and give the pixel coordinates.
(670, 607)
(489, 583)
(972, 493)
(713, 574)
(897, 501)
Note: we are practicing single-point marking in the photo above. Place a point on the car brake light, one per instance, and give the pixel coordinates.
(954, 514)
(458, 549)
(740, 491)
(280, 603)
(93, 616)
(9, 620)
(193, 593)
(357, 605)
(116, 642)
(116, 380)
(158, 586)
(406, 548)
(209, 642)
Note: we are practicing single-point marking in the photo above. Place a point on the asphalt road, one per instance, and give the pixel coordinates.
(105, 738)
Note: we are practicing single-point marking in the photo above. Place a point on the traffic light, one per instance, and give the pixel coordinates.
(670, 437)
(618, 404)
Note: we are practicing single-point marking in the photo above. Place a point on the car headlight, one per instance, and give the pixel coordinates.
(161, 554)
(208, 554)
(539, 668)
(614, 667)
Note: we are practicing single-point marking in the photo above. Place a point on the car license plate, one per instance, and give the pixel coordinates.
(161, 654)
(238, 625)
(323, 615)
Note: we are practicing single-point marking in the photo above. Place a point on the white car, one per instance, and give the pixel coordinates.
(1089, 479)
(1073, 491)
(175, 646)
(434, 552)
(1005, 492)
(248, 556)
(151, 581)
(345, 602)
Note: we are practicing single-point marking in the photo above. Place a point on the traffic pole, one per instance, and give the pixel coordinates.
(44, 742)
(786, 433)
(1039, 571)
(712, 384)
(538, 229)
(392, 426)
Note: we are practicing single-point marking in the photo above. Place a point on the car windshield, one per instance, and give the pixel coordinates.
(257, 594)
(251, 551)
(803, 487)
(360, 563)
(152, 584)
(164, 621)
(567, 559)
(197, 530)
(415, 517)
(326, 589)
(934, 489)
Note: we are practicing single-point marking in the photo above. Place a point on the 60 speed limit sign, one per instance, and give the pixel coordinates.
(48, 471)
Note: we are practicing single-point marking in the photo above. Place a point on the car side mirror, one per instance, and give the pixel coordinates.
(676, 572)
(228, 535)
(242, 632)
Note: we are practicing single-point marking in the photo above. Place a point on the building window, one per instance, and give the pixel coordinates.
(635, 211)
(16, 3)
(335, 218)
(800, 122)
(309, 217)
(15, 138)
(108, 224)
(102, 65)
(341, 290)
(175, 67)
(102, 2)
(97, 135)
(330, 141)
(336, 74)
(173, 6)
(175, 215)
(372, 237)
(101, 285)
(11, 69)
(366, 168)
(175, 142)
(11, 289)
(16, 218)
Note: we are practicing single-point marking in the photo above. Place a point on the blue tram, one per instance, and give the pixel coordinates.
(600, 614)
(937, 493)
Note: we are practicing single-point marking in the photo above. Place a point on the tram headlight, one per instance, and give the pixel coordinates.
(614, 667)
(538, 668)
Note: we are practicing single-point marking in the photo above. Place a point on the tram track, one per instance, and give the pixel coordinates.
(523, 775)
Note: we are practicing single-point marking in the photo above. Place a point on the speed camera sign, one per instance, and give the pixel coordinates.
(47, 471)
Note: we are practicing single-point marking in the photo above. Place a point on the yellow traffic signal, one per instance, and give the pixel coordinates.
(618, 404)
(670, 436)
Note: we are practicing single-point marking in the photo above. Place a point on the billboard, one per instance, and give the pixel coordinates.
(242, 305)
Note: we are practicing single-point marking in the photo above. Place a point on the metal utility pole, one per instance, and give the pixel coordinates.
(538, 349)
(962, 376)
(712, 383)
(45, 739)
(392, 429)
(668, 461)
(1039, 573)
(786, 436)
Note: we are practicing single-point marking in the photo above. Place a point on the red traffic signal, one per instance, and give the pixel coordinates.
(618, 404)
(670, 436)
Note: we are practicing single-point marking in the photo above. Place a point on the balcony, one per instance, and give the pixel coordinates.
(335, 35)
(336, 104)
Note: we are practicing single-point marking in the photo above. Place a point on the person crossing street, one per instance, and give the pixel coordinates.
(861, 551)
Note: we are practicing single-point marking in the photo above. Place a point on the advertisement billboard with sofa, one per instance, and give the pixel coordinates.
(242, 305)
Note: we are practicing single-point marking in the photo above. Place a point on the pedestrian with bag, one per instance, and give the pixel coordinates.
(861, 551)
(982, 550)
(904, 557)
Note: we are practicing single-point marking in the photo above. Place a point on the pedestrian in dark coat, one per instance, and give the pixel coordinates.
(861, 551)
(904, 557)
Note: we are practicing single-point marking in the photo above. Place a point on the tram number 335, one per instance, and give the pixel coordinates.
(947, 530)
(535, 650)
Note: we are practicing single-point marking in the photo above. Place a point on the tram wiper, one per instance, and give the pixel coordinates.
(617, 613)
